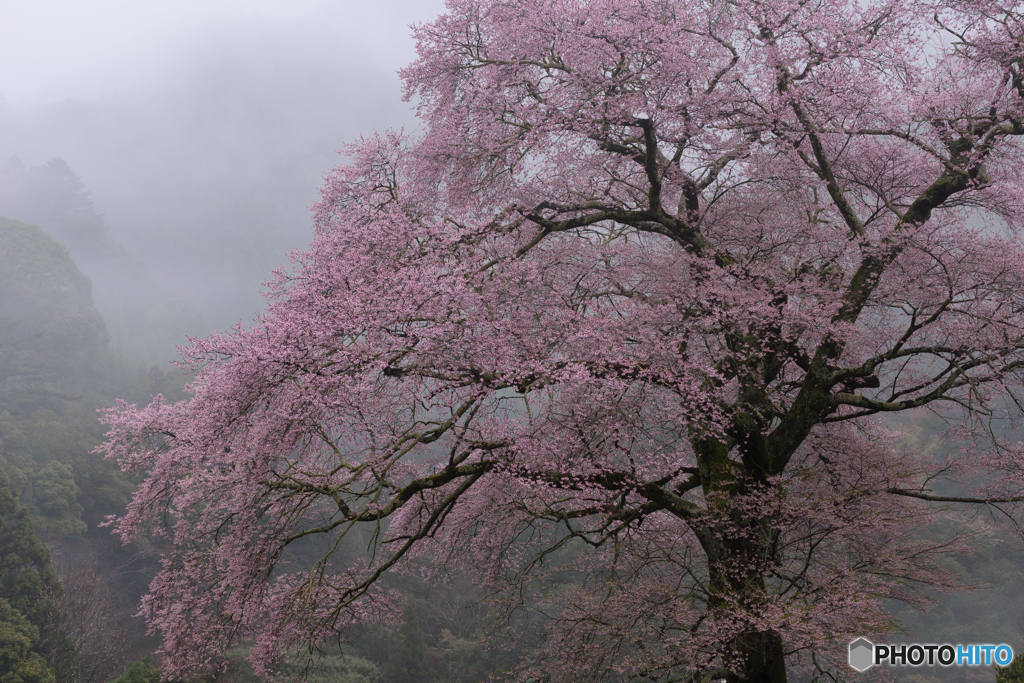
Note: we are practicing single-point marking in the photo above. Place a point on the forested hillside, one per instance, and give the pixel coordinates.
(57, 366)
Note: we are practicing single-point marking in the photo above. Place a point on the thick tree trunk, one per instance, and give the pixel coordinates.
(756, 656)
(740, 549)
(763, 656)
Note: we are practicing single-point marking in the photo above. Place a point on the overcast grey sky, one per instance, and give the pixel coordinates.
(55, 49)
(202, 128)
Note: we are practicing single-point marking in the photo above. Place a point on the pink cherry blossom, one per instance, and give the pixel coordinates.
(615, 333)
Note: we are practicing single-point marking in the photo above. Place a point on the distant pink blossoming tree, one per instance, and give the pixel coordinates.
(614, 333)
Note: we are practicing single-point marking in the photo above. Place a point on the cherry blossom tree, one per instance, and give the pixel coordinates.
(616, 332)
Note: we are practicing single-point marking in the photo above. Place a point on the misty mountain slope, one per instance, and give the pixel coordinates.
(47, 317)
(207, 173)
(56, 369)
(144, 319)
(53, 356)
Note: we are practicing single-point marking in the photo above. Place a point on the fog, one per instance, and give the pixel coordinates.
(201, 130)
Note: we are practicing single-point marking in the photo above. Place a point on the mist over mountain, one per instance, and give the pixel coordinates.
(204, 179)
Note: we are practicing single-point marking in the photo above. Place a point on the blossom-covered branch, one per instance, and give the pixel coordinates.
(614, 334)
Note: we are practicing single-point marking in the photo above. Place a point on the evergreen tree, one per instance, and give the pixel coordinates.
(52, 194)
(1012, 672)
(18, 662)
(28, 585)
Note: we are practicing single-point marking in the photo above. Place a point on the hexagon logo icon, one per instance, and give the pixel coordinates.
(862, 654)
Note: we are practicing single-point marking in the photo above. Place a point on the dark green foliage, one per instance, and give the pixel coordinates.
(140, 671)
(28, 584)
(56, 369)
(68, 489)
(26, 577)
(1013, 672)
(19, 663)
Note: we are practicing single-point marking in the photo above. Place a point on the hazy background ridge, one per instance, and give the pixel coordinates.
(201, 131)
